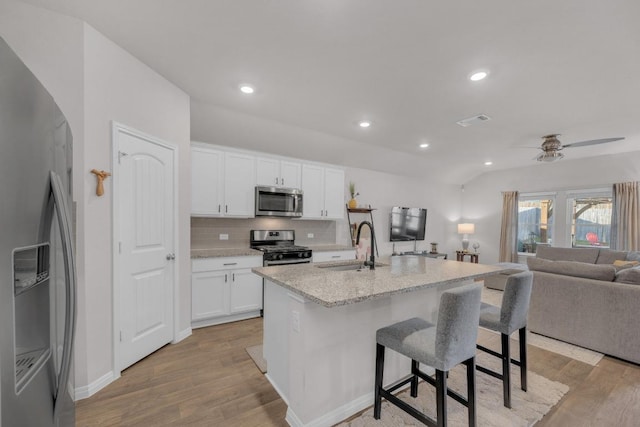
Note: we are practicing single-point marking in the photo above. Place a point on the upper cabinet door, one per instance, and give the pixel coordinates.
(313, 189)
(334, 197)
(207, 177)
(267, 171)
(240, 182)
(290, 174)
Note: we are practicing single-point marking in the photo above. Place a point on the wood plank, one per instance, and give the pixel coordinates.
(208, 379)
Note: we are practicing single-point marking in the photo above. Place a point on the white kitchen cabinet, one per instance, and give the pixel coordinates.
(278, 173)
(349, 254)
(224, 290)
(222, 183)
(209, 295)
(323, 192)
(207, 178)
(239, 185)
(246, 291)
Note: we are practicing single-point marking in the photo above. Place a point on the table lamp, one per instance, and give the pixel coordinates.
(466, 229)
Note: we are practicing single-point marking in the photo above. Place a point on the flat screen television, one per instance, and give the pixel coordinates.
(407, 224)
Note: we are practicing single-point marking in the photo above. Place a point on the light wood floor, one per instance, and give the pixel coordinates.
(209, 380)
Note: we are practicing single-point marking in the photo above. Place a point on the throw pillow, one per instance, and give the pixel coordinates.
(633, 256)
(628, 275)
(621, 264)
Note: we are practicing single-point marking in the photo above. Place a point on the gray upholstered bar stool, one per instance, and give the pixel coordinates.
(444, 345)
(510, 317)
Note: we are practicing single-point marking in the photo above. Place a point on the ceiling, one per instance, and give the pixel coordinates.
(569, 67)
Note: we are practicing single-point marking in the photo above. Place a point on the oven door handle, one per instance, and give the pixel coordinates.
(286, 262)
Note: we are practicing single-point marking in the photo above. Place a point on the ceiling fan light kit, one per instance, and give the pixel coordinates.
(551, 146)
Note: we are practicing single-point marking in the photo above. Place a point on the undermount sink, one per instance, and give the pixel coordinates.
(347, 267)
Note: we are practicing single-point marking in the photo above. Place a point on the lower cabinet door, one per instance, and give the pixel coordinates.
(246, 291)
(210, 294)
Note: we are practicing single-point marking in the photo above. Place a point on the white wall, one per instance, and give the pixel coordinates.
(383, 191)
(483, 199)
(120, 88)
(94, 82)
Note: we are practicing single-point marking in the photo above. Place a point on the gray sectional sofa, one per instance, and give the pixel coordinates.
(589, 297)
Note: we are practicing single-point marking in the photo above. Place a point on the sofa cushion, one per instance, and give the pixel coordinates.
(633, 256)
(629, 275)
(589, 255)
(573, 268)
(608, 256)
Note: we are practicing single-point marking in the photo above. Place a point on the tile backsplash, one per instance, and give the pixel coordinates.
(205, 232)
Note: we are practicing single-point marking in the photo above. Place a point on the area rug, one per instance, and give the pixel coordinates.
(494, 297)
(527, 407)
(255, 352)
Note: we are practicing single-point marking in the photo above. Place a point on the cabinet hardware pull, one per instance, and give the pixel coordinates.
(218, 208)
(282, 179)
(230, 263)
(276, 181)
(233, 277)
(226, 208)
(225, 278)
(335, 256)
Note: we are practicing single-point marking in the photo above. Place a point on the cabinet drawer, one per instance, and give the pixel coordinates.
(225, 263)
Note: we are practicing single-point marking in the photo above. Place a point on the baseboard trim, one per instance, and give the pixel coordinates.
(86, 391)
(224, 319)
(277, 389)
(186, 333)
(334, 417)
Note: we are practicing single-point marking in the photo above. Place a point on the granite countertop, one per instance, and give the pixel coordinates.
(227, 252)
(332, 288)
(328, 248)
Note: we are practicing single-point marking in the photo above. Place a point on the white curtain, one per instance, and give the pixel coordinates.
(509, 227)
(625, 221)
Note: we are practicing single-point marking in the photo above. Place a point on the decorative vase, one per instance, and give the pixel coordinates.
(353, 203)
(434, 247)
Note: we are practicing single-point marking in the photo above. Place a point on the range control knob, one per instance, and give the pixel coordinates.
(307, 254)
(300, 255)
(280, 256)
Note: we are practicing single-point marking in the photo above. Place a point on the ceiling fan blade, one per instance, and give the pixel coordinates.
(592, 142)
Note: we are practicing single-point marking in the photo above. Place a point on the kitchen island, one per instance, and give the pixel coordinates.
(320, 322)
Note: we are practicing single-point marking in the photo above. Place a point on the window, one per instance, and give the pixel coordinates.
(535, 222)
(590, 219)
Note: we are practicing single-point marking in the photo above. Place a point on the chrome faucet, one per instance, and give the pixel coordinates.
(372, 259)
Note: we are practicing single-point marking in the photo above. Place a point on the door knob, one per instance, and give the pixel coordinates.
(171, 256)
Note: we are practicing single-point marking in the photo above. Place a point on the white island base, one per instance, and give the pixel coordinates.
(322, 360)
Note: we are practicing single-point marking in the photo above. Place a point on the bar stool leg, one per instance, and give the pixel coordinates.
(471, 391)
(414, 380)
(523, 358)
(378, 381)
(506, 370)
(441, 398)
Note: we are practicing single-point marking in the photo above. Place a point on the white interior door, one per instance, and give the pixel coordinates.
(145, 265)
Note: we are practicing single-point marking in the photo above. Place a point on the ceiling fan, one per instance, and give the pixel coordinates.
(551, 147)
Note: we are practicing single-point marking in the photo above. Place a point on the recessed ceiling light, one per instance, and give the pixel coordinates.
(425, 145)
(248, 89)
(364, 124)
(488, 163)
(478, 75)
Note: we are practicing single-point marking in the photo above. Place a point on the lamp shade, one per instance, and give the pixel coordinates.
(466, 228)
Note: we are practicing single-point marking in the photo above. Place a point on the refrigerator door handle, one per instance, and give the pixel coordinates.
(66, 239)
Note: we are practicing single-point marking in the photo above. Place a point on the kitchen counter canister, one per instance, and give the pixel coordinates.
(320, 323)
(226, 252)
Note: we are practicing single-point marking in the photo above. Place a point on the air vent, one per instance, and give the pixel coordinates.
(473, 120)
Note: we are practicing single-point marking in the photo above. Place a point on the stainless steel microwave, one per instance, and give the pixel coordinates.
(275, 201)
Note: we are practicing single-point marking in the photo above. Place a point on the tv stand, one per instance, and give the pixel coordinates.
(424, 254)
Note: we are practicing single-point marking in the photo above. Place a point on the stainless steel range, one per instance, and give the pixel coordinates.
(278, 247)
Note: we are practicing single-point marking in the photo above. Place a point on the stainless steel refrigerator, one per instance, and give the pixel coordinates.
(37, 270)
